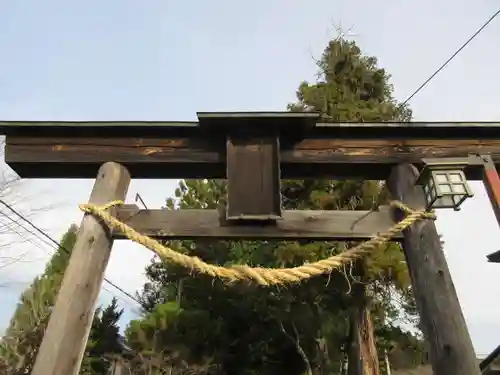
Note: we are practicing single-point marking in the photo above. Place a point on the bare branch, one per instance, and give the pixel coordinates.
(296, 341)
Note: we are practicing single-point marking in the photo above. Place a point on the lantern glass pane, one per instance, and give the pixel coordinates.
(445, 201)
(427, 194)
(432, 193)
(445, 188)
(455, 177)
(459, 188)
(441, 178)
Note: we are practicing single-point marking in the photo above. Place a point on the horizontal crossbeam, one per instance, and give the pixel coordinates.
(204, 157)
(308, 149)
(310, 225)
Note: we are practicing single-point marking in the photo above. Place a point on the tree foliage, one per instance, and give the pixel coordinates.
(25, 332)
(193, 324)
(104, 340)
(19, 346)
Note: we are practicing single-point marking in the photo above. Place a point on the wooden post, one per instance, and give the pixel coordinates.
(491, 181)
(443, 324)
(65, 339)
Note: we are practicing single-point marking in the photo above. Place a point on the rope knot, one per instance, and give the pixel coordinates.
(107, 206)
(92, 208)
(409, 211)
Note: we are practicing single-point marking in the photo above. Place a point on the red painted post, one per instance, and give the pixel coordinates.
(491, 181)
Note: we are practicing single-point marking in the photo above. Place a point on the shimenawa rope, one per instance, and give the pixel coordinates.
(260, 275)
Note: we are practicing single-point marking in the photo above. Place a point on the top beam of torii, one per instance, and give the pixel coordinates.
(307, 148)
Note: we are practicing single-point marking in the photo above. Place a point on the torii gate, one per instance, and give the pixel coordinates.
(254, 151)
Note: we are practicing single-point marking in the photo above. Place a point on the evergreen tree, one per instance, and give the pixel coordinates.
(19, 346)
(192, 322)
(104, 340)
(351, 87)
(23, 336)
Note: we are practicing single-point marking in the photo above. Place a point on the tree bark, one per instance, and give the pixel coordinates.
(363, 356)
(368, 345)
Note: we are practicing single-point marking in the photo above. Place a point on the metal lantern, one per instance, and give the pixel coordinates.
(445, 186)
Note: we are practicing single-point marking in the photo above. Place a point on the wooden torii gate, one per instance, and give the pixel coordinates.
(253, 151)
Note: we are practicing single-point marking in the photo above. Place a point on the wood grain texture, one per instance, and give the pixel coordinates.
(491, 181)
(80, 157)
(443, 324)
(198, 224)
(65, 339)
(253, 178)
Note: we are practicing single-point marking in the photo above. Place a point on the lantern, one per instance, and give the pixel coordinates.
(445, 186)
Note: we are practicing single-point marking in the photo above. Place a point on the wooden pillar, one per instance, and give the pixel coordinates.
(491, 182)
(443, 324)
(66, 336)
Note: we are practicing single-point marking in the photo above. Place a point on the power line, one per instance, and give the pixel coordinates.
(34, 243)
(13, 229)
(451, 58)
(58, 245)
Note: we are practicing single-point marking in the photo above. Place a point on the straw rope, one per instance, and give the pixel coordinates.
(260, 275)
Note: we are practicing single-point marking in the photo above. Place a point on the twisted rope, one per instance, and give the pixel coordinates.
(260, 275)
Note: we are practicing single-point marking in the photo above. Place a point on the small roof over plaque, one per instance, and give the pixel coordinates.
(243, 123)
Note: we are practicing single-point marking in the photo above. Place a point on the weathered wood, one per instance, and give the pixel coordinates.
(282, 120)
(443, 324)
(285, 124)
(371, 158)
(491, 181)
(198, 224)
(65, 339)
(253, 178)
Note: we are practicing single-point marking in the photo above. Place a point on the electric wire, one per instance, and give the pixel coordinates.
(455, 54)
(57, 245)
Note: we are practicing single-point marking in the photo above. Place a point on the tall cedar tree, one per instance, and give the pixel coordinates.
(19, 346)
(193, 324)
(351, 87)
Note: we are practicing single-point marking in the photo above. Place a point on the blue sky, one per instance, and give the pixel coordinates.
(165, 60)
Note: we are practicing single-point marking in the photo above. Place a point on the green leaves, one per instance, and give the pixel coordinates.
(350, 87)
(19, 346)
(25, 332)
